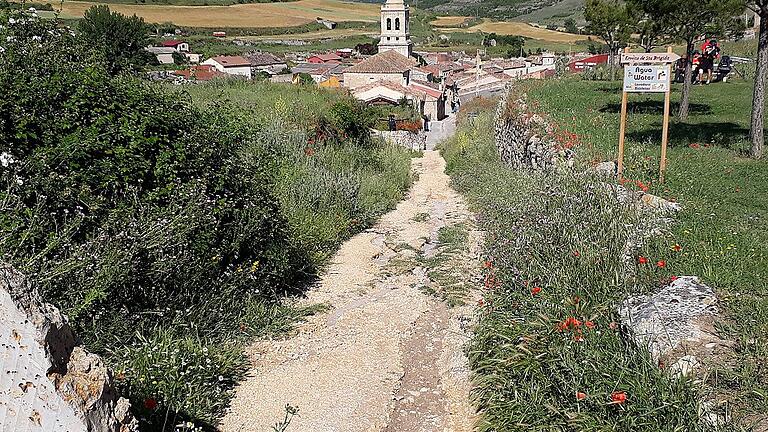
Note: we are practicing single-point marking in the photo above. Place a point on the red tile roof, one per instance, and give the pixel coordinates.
(200, 73)
(327, 57)
(172, 43)
(386, 62)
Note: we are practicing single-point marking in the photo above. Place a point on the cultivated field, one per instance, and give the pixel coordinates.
(243, 15)
(449, 21)
(508, 28)
(316, 35)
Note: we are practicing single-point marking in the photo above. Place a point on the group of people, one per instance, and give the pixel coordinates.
(703, 63)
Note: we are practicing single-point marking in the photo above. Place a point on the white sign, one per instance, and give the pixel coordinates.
(646, 79)
(656, 58)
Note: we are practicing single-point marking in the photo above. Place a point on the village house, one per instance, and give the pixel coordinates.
(164, 55)
(179, 46)
(324, 58)
(318, 72)
(199, 73)
(231, 65)
(421, 74)
(581, 63)
(266, 62)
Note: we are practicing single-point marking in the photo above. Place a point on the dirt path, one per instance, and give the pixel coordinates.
(388, 354)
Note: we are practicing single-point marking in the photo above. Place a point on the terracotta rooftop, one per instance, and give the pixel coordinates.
(386, 62)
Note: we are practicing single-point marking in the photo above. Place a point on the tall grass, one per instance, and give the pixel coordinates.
(548, 353)
(721, 230)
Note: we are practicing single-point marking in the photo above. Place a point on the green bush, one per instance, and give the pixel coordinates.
(163, 224)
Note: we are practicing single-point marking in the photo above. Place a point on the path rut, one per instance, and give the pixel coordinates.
(387, 356)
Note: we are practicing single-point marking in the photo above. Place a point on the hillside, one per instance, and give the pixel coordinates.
(543, 11)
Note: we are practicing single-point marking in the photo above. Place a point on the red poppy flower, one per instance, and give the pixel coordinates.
(661, 264)
(150, 404)
(589, 324)
(578, 338)
(618, 397)
(535, 290)
(481, 303)
(673, 278)
(677, 248)
(580, 395)
(694, 146)
(642, 260)
(576, 253)
(487, 264)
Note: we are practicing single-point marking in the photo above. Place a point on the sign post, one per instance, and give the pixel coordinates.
(646, 73)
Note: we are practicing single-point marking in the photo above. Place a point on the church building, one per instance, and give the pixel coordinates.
(385, 78)
(395, 28)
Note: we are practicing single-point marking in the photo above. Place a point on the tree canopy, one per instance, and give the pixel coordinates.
(119, 39)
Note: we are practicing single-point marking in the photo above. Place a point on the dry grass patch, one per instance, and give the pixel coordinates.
(316, 35)
(525, 30)
(449, 21)
(242, 15)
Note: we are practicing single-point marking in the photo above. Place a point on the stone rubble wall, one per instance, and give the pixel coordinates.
(48, 382)
(524, 139)
(410, 140)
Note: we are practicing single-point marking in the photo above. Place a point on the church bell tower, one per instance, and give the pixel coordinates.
(396, 28)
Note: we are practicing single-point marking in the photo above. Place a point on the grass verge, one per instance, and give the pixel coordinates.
(548, 353)
(722, 228)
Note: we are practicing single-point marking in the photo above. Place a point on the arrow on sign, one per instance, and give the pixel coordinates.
(631, 58)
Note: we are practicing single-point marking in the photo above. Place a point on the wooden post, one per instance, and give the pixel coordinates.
(622, 127)
(665, 130)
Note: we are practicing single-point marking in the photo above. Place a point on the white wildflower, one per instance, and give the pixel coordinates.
(37, 38)
(6, 159)
(19, 181)
(11, 20)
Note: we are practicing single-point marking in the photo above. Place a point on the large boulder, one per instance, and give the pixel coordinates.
(675, 322)
(47, 381)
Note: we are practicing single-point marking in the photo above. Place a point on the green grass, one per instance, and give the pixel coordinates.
(445, 270)
(527, 374)
(722, 228)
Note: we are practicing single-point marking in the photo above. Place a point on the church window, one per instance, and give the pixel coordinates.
(389, 24)
(397, 23)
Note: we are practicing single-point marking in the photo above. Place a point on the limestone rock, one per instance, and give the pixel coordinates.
(47, 381)
(606, 168)
(684, 366)
(659, 204)
(674, 315)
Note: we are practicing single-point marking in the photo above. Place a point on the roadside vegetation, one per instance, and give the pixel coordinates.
(547, 352)
(722, 229)
(170, 225)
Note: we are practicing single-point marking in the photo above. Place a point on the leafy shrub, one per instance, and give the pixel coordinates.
(163, 225)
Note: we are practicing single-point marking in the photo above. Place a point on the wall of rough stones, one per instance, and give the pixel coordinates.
(410, 140)
(47, 381)
(525, 139)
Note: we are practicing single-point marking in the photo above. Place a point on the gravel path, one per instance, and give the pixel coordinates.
(386, 356)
